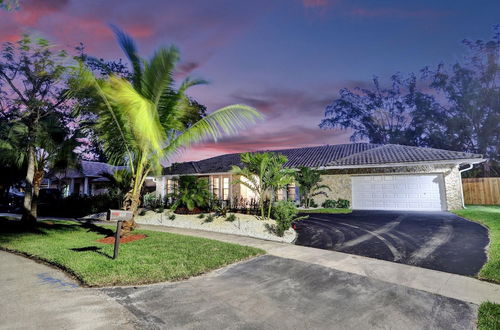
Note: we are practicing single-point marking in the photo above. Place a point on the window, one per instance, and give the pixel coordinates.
(225, 189)
(170, 186)
(215, 187)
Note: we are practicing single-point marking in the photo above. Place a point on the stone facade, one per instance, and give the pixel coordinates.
(340, 181)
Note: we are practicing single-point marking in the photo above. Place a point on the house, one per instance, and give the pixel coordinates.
(370, 176)
(87, 179)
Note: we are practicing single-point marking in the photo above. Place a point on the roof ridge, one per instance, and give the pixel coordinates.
(378, 146)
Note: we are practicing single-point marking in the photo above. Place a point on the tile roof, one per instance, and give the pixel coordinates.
(394, 153)
(91, 169)
(328, 155)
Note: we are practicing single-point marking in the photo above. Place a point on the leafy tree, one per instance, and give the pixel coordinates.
(263, 174)
(382, 115)
(471, 114)
(309, 181)
(9, 4)
(143, 121)
(191, 192)
(466, 118)
(33, 92)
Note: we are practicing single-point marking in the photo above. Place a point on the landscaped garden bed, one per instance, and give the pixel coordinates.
(244, 224)
(73, 247)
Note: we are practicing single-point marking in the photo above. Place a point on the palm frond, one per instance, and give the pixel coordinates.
(157, 76)
(225, 121)
(128, 46)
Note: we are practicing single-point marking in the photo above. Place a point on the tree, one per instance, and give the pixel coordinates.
(278, 177)
(466, 118)
(382, 115)
(309, 180)
(143, 121)
(32, 85)
(9, 4)
(118, 183)
(263, 174)
(471, 113)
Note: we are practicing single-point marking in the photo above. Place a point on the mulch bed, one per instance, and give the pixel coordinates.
(127, 239)
(185, 210)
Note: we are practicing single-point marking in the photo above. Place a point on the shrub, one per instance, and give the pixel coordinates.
(312, 203)
(171, 217)
(285, 213)
(152, 201)
(201, 216)
(231, 217)
(142, 212)
(192, 193)
(343, 203)
(329, 204)
(160, 209)
(79, 206)
(209, 218)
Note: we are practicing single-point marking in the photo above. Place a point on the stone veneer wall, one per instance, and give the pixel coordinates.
(340, 181)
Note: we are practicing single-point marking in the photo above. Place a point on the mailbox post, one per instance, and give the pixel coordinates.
(119, 216)
(117, 238)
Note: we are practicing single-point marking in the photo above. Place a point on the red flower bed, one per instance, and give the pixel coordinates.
(185, 210)
(127, 239)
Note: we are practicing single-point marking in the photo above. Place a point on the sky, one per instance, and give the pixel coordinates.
(286, 58)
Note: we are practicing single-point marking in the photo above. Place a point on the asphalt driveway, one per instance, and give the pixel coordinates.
(435, 240)
(276, 293)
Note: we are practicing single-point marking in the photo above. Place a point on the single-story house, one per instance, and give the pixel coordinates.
(371, 176)
(87, 179)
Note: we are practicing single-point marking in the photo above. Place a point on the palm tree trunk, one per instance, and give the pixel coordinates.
(37, 182)
(28, 217)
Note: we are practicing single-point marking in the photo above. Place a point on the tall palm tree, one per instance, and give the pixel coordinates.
(144, 121)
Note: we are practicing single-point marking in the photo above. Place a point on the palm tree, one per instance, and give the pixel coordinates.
(144, 121)
(263, 174)
(309, 181)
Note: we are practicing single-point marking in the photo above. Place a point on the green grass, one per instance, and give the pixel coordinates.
(490, 217)
(488, 317)
(159, 257)
(326, 210)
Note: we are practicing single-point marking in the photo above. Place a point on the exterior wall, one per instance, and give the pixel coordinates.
(340, 181)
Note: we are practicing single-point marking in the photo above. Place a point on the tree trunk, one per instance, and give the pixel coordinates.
(28, 217)
(130, 203)
(37, 182)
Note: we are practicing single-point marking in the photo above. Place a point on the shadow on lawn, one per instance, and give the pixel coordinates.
(97, 229)
(95, 249)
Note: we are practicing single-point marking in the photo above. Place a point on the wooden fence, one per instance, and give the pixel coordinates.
(482, 191)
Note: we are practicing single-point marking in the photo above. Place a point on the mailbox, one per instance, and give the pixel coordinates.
(116, 215)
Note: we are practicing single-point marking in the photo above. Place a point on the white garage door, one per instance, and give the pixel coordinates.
(397, 192)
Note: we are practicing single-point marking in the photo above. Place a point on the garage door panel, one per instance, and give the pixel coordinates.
(397, 192)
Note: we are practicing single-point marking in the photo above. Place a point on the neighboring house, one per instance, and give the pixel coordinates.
(370, 176)
(85, 180)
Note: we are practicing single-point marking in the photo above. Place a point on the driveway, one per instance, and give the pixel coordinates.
(435, 240)
(276, 293)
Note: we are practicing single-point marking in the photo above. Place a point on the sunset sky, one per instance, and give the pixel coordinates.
(287, 58)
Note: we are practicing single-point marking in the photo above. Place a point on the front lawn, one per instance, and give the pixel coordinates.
(490, 217)
(325, 210)
(159, 257)
(488, 317)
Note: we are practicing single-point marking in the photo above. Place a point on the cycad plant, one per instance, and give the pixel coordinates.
(146, 120)
(309, 181)
(263, 174)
